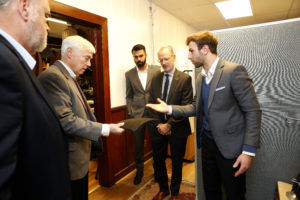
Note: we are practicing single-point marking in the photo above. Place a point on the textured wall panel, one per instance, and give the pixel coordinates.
(271, 55)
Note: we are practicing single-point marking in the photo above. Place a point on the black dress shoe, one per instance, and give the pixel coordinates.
(161, 195)
(138, 178)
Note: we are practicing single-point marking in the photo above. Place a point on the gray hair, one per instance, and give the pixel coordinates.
(76, 42)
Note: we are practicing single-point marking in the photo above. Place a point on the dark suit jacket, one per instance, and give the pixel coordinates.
(234, 113)
(79, 124)
(33, 152)
(136, 96)
(180, 93)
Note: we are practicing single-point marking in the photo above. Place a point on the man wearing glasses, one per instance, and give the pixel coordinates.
(174, 87)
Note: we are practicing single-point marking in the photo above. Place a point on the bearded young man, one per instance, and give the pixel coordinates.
(138, 83)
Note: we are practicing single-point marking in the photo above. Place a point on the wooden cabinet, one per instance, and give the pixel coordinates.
(281, 189)
(118, 157)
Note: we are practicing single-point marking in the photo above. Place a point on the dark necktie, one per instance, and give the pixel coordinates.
(166, 86)
(76, 83)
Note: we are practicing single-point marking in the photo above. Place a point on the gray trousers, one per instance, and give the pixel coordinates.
(139, 137)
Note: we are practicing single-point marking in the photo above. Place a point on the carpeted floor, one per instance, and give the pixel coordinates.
(149, 190)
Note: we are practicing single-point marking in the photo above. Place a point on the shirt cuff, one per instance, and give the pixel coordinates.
(249, 150)
(105, 130)
(170, 110)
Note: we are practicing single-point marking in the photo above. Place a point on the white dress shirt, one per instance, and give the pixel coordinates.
(143, 76)
(209, 76)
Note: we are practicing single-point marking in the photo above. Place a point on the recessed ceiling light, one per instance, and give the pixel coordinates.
(235, 8)
(57, 20)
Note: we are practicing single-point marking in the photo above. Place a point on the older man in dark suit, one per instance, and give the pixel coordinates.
(33, 152)
(174, 87)
(228, 118)
(138, 83)
(75, 115)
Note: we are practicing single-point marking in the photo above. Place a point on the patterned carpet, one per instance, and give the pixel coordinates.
(149, 190)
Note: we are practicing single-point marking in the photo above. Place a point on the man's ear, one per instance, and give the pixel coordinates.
(205, 49)
(23, 9)
(69, 52)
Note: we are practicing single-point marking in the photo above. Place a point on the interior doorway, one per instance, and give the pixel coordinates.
(95, 81)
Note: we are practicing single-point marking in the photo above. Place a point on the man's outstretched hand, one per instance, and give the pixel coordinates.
(116, 128)
(162, 107)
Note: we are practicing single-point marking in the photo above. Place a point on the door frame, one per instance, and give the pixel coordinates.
(99, 39)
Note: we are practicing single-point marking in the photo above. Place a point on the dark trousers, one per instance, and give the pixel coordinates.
(218, 170)
(139, 137)
(160, 148)
(80, 188)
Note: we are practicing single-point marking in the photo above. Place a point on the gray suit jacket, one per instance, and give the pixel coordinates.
(234, 113)
(136, 96)
(80, 125)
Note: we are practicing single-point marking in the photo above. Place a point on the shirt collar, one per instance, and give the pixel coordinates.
(211, 70)
(72, 74)
(20, 49)
(171, 73)
(138, 70)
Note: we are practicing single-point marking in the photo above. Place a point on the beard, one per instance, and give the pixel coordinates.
(140, 63)
(37, 38)
(197, 65)
(40, 45)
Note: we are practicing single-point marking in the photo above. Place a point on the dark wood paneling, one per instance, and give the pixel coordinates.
(122, 150)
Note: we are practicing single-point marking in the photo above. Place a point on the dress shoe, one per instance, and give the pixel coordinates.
(175, 197)
(138, 178)
(161, 195)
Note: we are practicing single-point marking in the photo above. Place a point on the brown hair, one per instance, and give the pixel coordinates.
(204, 38)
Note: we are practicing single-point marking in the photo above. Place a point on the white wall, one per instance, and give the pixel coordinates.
(129, 23)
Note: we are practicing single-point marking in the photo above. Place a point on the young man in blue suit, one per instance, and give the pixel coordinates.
(228, 118)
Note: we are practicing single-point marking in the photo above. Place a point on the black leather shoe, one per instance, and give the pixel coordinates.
(138, 178)
(161, 195)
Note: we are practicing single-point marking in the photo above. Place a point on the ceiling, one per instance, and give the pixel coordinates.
(203, 14)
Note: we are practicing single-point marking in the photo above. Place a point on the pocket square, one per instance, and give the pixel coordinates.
(220, 88)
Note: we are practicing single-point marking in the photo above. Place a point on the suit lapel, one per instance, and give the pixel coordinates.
(149, 76)
(159, 85)
(79, 93)
(30, 74)
(198, 92)
(137, 79)
(215, 81)
(173, 85)
(70, 80)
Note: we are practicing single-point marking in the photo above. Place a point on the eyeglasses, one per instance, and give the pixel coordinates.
(164, 59)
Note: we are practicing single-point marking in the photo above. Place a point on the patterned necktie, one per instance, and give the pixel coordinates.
(166, 86)
(76, 83)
